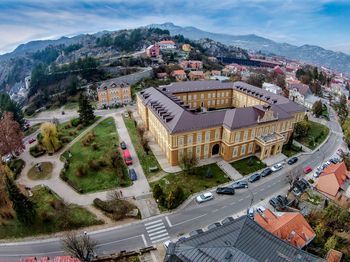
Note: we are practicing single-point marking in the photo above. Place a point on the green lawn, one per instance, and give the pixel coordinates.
(292, 151)
(45, 173)
(90, 166)
(193, 183)
(53, 216)
(245, 168)
(145, 160)
(317, 134)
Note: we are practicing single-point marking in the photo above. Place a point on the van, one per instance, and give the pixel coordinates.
(127, 157)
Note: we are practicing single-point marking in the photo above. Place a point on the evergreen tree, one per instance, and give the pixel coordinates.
(317, 108)
(23, 207)
(86, 112)
(8, 105)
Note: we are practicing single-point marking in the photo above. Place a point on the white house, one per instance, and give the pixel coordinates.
(272, 88)
(301, 94)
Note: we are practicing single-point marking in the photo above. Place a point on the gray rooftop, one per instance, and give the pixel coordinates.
(178, 118)
(241, 240)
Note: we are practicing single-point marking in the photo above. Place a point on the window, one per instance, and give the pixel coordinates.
(235, 151)
(202, 96)
(189, 97)
(209, 103)
(238, 137)
(189, 140)
(194, 104)
(216, 134)
(222, 94)
(209, 95)
(213, 95)
(181, 153)
(226, 93)
(243, 148)
(245, 135)
(199, 138)
(250, 148)
(226, 101)
(198, 151)
(181, 141)
(189, 152)
(206, 149)
(222, 101)
(194, 96)
(207, 136)
(252, 134)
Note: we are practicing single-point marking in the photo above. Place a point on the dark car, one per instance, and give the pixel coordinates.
(240, 184)
(123, 145)
(283, 200)
(196, 232)
(214, 225)
(274, 202)
(292, 161)
(31, 141)
(302, 184)
(227, 220)
(266, 172)
(132, 174)
(254, 178)
(225, 190)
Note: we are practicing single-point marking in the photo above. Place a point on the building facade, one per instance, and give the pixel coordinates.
(210, 118)
(112, 93)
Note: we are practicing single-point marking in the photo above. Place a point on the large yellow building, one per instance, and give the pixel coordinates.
(209, 118)
(112, 93)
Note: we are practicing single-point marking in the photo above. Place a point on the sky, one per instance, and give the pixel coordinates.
(318, 22)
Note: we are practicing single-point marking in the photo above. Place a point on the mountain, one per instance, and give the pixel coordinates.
(337, 61)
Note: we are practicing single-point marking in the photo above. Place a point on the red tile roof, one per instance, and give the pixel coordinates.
(332, 178)
(291, 227)
(170, 42)
(334, 256)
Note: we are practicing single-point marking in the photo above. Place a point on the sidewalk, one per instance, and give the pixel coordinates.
(229, 170)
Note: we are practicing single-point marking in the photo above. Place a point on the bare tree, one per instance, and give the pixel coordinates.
(79, 246)
(294, 175)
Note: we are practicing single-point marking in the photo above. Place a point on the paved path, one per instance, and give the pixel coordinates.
(229, 170)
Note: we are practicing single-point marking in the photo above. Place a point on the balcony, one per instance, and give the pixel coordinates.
(269, 139)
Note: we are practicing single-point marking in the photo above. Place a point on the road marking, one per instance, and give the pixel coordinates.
(160, 240)
(153, 222)
(194, 218)
(215, 210)
(156, 233)
(240, 200)
(155, 229)
(116, 241)
(156, 225)
(167, 220)
(144, 240)
(159, 236)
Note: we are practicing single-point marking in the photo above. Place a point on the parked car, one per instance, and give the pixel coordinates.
(240, 184)
(7, 158)
(132, 174)
(260, 209)
(307, 169)
(127, 157)
(225, 190)
(283, 200)
(31, 141)
(254, 178)
(317, 173)
(277, 167)
(274, 202)
(334, 160)
(126, 114)
(292, 161)
(296, 191)
(196, 232)
(266, 172)
(166, 244)
(227, 220)
(123, 145)
(204, 197)
(214, 225)
(250, 213)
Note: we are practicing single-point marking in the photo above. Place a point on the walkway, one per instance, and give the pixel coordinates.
(229, 170)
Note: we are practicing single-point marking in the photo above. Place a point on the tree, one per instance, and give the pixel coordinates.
(170, 200)
(11, 135)
(317, 108)
(346, 130)
(8, 105)
(331, 243)
(188, 163)
(50, 137)
(86, 111)
(81, 247)
(341, 108)
(302, 129)
(158, 191)
(24, 208)
(179, 196)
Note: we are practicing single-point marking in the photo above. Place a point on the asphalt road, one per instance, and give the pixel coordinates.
(172, 225)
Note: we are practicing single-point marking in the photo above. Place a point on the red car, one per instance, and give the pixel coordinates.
(31, 141)
(307, 169)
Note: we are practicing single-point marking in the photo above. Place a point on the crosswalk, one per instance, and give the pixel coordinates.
(156, 231)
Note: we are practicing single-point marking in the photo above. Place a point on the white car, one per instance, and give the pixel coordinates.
(166, 244)
(204, 197)
(277, 167)
(260, 209)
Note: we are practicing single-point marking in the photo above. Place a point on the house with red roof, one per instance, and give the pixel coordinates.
(196, 75)
(333, 179)
(291, 227)
(191, 65)
(153, 50)
(167, 44)
(278, 70)
(179, 75)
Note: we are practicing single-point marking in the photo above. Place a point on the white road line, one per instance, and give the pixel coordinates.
(240, 200)
(159, 240)
(144, 240)
(215, 210)
(158, 232)
(121, 240)
(185, 221)
(153, 222)
(156, 225)
(158, 236)
(167, 220)
(155, 229)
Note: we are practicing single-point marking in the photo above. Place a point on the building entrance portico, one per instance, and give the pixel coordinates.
(269, 145)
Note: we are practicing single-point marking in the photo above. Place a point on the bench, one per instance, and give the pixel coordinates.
(152, 168)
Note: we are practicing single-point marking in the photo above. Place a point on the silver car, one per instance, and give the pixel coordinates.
(204, 197)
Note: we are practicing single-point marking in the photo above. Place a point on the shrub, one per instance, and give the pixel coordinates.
(88, 138)
(103, 162)
(75, 122)
(94, 165)
(36, 151)
(80, 127)
(81, 171)
(71, 133)
(65, 139)
(47, 217)
(94, 146)
(57, 204)
(63, 175)
(16, 166)
(311, 181)
(67, 126)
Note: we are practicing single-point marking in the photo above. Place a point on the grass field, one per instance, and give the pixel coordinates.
(317, 134)
(146, 160)
(46, 170)
(244, 167)
(94, 159)
(292, 151)
(53, 216)
(193, 183)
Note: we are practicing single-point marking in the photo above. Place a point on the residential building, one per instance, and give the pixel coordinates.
(278, 70)
(153, 51)
(179, 75)
(167, 44)
(196, 75)
(333, 179)
(191, 65)
(301, 94)
(239, 240)
(162, 75)
(334, 256)
(215, 72)
(112, 93)
(251, 121)
(272, 88)
(291, 227)
(186, 47)
(27, 80)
